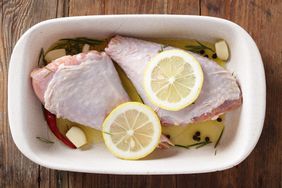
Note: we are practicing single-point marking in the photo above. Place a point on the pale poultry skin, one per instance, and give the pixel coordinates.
(83, 88)
(220, 92)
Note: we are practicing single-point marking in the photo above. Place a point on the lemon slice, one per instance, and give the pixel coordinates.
(132, 130)
(173, 79)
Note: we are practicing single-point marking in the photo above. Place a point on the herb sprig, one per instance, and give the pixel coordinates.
(217, 142)
(83, 40)
(198, 48)
(41, 60)
(74, 45)
(197, 145)
(44, 140)
(162, 48)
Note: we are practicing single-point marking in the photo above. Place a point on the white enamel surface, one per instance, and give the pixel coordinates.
(243, 126)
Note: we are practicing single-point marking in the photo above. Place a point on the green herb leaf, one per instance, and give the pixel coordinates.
(217, 142)
(162, 48)
(199, 145)
(181, 146)
(205, 143)
(198, 48)
(74, 45)
(41, 60)
(45, 140)
(106, 132)
(204, 46)
(83, 40)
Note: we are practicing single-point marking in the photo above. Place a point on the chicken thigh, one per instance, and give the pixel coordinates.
(82, 88)
(220, 92)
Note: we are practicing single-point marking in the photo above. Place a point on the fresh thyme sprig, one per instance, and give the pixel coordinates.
(41, 60)
(74, 45)
(105, 132)
(198, 145)
(203, 144)
(83, 40)
(217, 142)
(162, 48)
(198, 48)
(44, 140)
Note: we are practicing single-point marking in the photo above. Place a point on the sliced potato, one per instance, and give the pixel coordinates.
(76, 136)
(54, 54)
(184, 135)
(221, 49)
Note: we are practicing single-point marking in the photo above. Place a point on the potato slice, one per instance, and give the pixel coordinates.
(54, 54)
(221, 49)
(76, 136)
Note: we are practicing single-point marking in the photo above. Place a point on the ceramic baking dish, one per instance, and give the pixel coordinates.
(243, 126)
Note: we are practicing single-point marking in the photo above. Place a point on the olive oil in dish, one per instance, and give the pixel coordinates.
(198, 134)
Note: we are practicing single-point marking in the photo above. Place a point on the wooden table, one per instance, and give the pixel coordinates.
(261, 18)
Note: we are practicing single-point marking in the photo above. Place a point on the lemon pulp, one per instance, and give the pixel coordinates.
(132, 130)
(173, 79)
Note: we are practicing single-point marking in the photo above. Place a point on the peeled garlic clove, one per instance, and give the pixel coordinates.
(76, 136)
(221, 49)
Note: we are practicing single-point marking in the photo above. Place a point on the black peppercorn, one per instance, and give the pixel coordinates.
(207, 139)
(198, 133)
(214, 56)
(196, 138)
(206, 56)
(202, 51)
(168, 136)
(219, 119)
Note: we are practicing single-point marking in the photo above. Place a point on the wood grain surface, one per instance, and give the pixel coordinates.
(261, 18)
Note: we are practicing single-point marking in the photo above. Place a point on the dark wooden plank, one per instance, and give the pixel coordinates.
(88, 7)
(262, 19)
(16, 17)
(53, 178)
(62, 8)
(191, 7)
(3, 103)
(88, 180)
(135, 7)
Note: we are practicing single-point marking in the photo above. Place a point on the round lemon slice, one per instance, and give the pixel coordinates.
(132, 130)
(173, 79)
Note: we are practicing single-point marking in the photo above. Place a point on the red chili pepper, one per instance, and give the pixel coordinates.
(52, 124)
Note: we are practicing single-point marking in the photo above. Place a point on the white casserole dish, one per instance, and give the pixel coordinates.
(243, 126)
